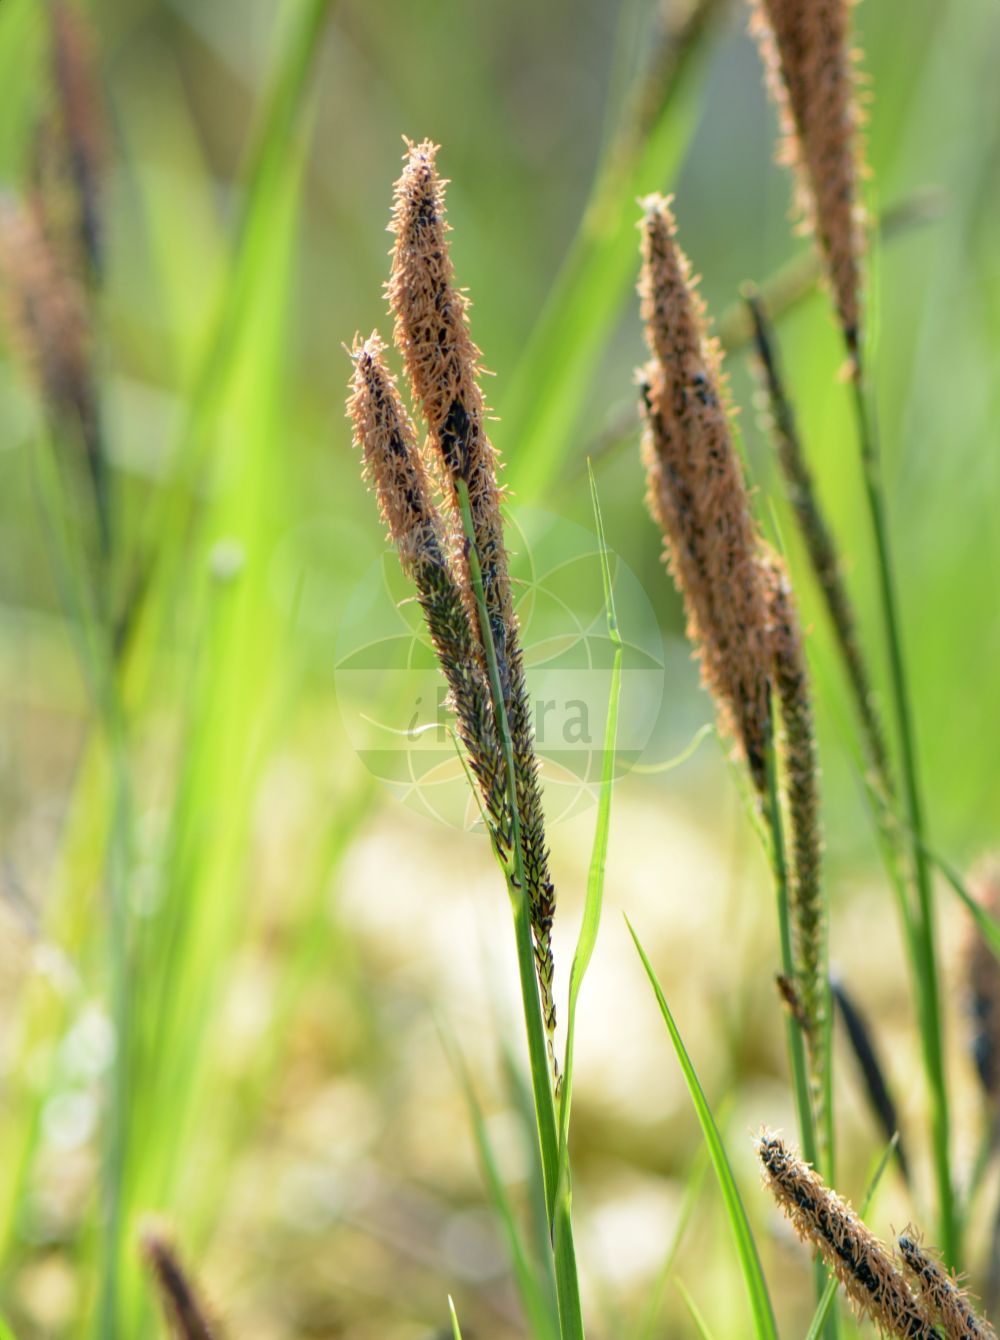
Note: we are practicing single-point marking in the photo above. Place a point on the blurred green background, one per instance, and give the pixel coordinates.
(290, 935)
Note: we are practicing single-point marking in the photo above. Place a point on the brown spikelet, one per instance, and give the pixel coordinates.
(943, 1300)
(77, 129)
(182, 1307)
(697, 493)
(819, 541)
(443, 366)
(45, 316)
(982, 975)
(821, 1218)
(799, 773)
(805, 46)
(393, 464)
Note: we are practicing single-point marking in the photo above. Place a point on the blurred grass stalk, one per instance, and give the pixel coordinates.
(164, 969)
(925, 964)
(808, 58)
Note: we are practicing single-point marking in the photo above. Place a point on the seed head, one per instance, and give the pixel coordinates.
(805, 45)
(73, 141)
(697, 493)
(393, 463)
(444, 366)
(943, 1300)
(45, 316)
(862, 1264)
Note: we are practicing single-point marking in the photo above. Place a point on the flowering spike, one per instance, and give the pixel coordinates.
(805, 45)
(383, 430)
(697, 493)
(941, 1296)
(443, 366)
(862, 1264)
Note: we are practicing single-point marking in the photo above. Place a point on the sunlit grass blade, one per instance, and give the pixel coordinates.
(543, 1320)
(541, 412)
(988, 928)
(746, 1247)
(598, 860)
(557, 1204)
(700, 1325)
(456, 1330)
(275, 161)
(823, 1309)
(646, 1326)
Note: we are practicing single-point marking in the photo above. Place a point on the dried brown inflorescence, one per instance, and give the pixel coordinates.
(46, 317)
(698, 496)
(393, 464)
(50, 252)
(71, 148)
(944, 1302)
(982, 975)
(805, 45)
(444, 367)
(872, 1281)
(186, 1314)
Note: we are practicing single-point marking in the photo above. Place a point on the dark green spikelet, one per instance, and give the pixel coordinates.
(873, 1074)
(799, 773)
(944, 1301)
(444, 367)
(819, 541)
(393, 463)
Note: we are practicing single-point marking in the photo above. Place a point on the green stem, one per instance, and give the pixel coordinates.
(928, 999)
(796, 1042)
(557, 1201)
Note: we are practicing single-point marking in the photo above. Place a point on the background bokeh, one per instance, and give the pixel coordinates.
(298, 939)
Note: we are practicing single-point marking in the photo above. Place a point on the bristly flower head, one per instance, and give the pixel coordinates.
(393, 464)
(944, 1301)
(862, 1264)
(45, 315)
(443, 366)
(806, 50)
(697, 493)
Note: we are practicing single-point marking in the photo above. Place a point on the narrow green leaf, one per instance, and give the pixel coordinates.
(646, 1326)
(598, 859)
(541, 1322)
(700, 1324)
(988, 928)
(541, 414)
(746, 1247)
(456, 1330)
